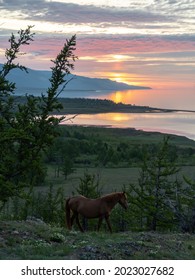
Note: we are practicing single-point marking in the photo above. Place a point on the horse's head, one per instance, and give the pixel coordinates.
(123, 200)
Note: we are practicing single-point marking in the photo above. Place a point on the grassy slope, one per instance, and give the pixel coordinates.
(34, 239)
(37, 240)
(113, 178)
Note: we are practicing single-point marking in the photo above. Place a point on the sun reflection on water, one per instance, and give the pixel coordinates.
(118, 117)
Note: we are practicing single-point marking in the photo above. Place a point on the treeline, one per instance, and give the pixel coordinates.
(89, 105)
(91, 147)
(93, 106)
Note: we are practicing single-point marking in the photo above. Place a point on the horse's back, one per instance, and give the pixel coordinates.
(75, 201)
(87, 207)
(77, 198)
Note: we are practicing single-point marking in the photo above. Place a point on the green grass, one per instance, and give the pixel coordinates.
(130, 135)
(115, 177)
(36, 240)
(111, 179)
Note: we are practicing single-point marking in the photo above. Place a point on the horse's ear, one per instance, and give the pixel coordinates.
(125, 194)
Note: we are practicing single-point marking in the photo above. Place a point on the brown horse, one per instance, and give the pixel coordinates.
(93, 208)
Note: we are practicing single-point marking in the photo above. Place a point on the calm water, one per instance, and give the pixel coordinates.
(179, 123)
(180, 98)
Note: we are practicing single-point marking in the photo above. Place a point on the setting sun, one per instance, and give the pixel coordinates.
(118, 77)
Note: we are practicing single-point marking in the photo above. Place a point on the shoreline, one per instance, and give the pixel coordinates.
(97, 106)
(132, 129)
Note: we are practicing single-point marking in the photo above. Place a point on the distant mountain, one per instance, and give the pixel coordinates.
(39, 79)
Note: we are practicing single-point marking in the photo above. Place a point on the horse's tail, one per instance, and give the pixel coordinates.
(67, 208)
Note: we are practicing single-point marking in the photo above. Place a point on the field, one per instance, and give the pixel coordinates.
(111, 179)
(112, 174)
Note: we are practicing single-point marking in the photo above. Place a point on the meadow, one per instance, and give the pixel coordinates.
(112, 156)
(37, 230)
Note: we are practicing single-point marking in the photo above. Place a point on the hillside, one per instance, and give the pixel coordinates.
(34, 239)
(39, 79)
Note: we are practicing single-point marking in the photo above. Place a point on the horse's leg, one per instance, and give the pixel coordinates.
(100, 223)
(108, 223)
(78, 223)
(72, 218)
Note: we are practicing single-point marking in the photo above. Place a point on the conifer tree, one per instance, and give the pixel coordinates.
(27, 129)
(151, 197)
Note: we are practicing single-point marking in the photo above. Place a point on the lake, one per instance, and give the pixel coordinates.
(178, 123)
(168, 98)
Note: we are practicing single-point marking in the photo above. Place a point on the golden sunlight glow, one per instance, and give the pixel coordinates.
(87, 58)
(120, 57)
(2, 51)
(123, 96)
(117, 117)
(128, 78)
(93, 119)
(118, 77)
(118, 97)
(114, 58)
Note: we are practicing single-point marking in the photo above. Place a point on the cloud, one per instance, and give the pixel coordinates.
(182, 8)
(142, 17)
(134, 44)
(68, 12)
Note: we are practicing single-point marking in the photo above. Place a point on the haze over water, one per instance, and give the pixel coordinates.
(170, 99)
(180, 98)
(179, 123)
